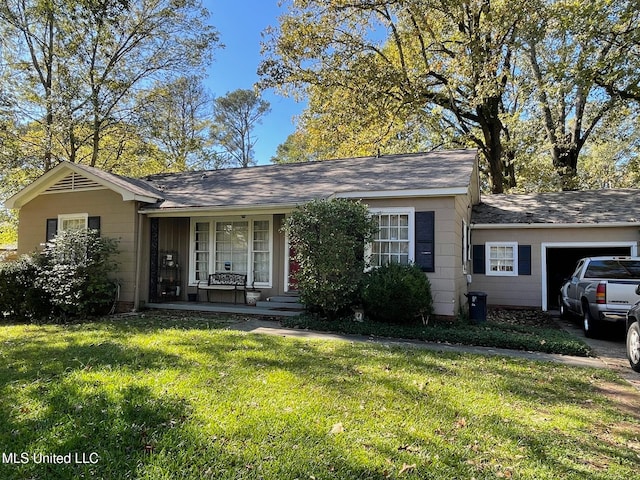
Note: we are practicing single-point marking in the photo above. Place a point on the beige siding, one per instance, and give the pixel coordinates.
(463, 267)
(527, 290)
(448, 279)
(117, 220)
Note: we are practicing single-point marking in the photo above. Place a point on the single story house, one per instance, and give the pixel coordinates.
(176, 228)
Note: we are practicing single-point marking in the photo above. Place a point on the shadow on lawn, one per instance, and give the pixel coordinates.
(50, 406)
(50, 403)
(461, 431)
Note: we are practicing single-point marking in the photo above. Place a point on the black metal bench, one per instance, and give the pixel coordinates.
(225, 281)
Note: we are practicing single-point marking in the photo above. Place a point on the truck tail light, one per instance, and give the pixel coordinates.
(601, 293)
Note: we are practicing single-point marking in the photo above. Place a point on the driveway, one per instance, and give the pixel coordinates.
(610, 349)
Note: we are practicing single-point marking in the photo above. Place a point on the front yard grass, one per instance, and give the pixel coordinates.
(183, 398)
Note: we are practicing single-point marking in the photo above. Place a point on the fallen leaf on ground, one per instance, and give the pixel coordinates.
(406, 468)
(337, 428)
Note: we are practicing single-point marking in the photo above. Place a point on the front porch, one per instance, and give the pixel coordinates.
(184, 251)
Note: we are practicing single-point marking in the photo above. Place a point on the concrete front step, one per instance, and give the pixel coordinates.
(280, 305)
(284, 299)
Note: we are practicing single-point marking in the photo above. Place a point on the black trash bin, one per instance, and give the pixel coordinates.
(477, 306)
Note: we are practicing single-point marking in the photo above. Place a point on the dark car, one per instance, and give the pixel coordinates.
(633, 335)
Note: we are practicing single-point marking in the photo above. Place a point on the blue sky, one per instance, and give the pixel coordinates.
(240, 23)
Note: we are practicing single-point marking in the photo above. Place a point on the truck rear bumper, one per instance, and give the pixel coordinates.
(613, 317)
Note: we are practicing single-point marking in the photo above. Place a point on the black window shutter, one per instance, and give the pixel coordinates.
(479, 265)
(524, 259)
(425, 233)
(52, 228)
(93, 223)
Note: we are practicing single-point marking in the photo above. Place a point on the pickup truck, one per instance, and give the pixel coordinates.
(601, 291)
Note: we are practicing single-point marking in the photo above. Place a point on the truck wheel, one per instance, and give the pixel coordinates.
(589, 325)
(633, 346)
(563, 310)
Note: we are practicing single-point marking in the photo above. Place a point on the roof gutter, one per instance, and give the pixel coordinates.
(209, 210)
(522, 226)
(421, 192)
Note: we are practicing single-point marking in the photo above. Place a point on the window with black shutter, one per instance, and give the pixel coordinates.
(424, 241)
(502, 259)
(70, 221)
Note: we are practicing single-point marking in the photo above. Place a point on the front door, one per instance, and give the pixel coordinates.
(294, 267)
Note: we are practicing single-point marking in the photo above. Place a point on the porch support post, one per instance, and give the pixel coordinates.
(153, 260)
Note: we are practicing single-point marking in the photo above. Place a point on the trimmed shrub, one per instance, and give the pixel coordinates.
(329, 238)
(20, 298)
(398, 294)
(76, 266)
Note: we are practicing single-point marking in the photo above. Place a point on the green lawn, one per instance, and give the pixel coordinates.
(172, 398)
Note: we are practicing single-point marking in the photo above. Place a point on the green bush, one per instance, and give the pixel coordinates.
(19, 296)
(329, 238)
(75, 271)
(398, 294)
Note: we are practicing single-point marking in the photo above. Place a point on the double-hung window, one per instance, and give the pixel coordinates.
(231, 246)
(202, 250)
(72, 222)
(234, 245)
(393, 241)
(501, 258)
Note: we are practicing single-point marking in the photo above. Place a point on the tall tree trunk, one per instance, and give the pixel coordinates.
(565, 162)
(489, 120)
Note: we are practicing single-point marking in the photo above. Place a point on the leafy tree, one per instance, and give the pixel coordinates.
(293, 150)
(235, 116)
(177, 117)
(455, 56)
(619, 66)
(337, 125)
(529, 82)
(329, 239)
(564, 55)
(77, 63)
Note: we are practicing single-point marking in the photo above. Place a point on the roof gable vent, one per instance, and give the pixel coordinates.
(73, 182)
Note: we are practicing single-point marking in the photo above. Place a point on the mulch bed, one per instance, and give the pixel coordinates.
(536, 318)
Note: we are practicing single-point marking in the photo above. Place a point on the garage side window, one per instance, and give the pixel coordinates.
(501, 258)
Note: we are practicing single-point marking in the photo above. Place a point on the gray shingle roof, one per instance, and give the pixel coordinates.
(592, 206)
(293, 184)
(134, 185)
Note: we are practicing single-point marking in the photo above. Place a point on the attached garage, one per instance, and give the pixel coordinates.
(552, 231)
(560, 259)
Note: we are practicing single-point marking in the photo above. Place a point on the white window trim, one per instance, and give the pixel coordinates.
(212, 238)
(466, 245)
(411, 213)
(487, 257)
(72, 216)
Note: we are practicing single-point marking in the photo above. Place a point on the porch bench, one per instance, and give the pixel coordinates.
(225, 281)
